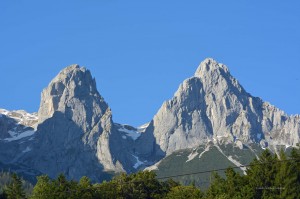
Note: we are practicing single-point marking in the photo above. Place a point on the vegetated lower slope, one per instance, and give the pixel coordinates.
(268, 176)
(197, 165)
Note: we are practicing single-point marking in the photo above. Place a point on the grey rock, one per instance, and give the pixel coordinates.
(14, 123)
(239, 144)
(73, 132)
(17, 131)
(212, 105)
(75, 128)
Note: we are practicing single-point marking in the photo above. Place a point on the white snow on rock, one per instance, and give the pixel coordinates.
(12, 133)
(205, 150)
(20, 136)
(142, 128)
(21, 117)
(153, 167)
(235, 162)
(192, 155)
(4, 112)
(138, 162)
(130, 133)
(26, 150)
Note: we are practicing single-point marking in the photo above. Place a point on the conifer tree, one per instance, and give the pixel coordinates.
(261, 175)
(184, 192)
(15, 190)
(84, 189)
(43, 188)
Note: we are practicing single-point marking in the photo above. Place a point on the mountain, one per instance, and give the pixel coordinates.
(211, 122)
(74, 132)
(213, 106)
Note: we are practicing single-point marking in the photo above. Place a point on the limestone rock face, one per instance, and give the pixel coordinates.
(75, 128)
(73, 132)
(212, 106)
(73, 92)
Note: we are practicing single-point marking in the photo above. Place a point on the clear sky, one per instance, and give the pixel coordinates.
(140, 51)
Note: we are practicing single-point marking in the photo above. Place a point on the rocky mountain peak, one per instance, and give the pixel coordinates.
(75, 122)
(71, 78)
(216, 79)
(209, 67)
(76, 135)
(212, 105)
(72, 91)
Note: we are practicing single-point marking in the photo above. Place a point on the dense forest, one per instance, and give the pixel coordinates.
(269, 176)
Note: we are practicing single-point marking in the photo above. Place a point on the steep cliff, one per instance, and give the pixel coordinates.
(213, 106)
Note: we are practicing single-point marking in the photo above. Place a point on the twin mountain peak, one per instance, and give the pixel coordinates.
(73, 132)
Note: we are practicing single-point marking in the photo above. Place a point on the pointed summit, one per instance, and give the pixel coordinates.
(216, 78)
(212, 105)
(73, 92)
(76, 123)
(73, 77)
(210, 66)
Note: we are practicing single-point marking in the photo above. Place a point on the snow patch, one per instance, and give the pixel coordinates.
(4, 112)
(230, 158)
(26, 150)
(138, 162)
(142, 128)
(130, 133)
(21, 116)
(235, 162)
(287, 146)
(20, 136)
(153, 167)
(195, 153)
(205, 150)
(192, 155)
(12, 133)
(253, 151)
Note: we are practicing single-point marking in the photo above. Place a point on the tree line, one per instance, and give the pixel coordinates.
(269, 176)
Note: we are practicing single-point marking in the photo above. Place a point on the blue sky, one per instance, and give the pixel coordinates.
(140, 51)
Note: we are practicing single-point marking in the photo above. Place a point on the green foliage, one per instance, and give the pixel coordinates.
(43, 188)
(137, 185)
(184, 192)
(6, 179)
(231, 187)
(15, 190)
(261, 175)
(269, 176)
(61, 188)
